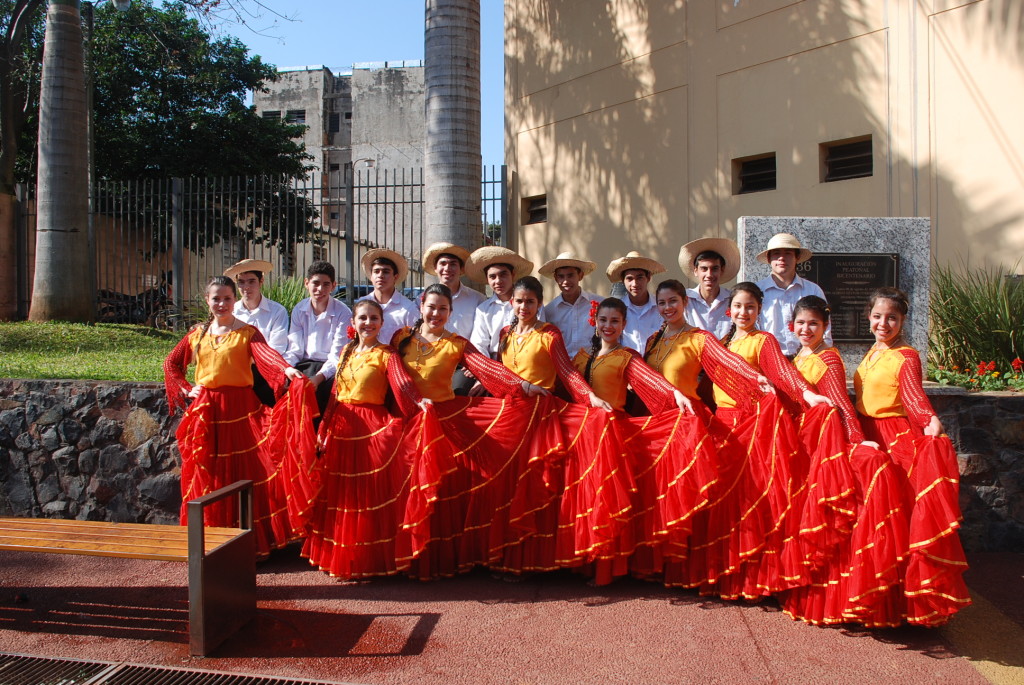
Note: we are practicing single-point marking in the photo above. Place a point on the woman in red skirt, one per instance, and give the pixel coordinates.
(365, 465)
(897, 415)
(854, 574)
(227, 434)
(462, 487)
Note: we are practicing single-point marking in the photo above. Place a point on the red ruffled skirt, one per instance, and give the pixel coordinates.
(933, 588)
(465, 476)
(363, 476)
(227, 435)
(736, 535)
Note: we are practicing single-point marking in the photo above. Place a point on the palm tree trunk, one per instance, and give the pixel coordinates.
(452, 156)
(63, 284)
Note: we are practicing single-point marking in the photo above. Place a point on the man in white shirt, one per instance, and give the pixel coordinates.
(634, 271)
(709, 261)
(500, 268)
(783, 288)
(386, 269)
(315, 324)
(267, 316)
(570, 308)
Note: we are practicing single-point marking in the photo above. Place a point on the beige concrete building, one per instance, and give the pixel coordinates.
(642, 124)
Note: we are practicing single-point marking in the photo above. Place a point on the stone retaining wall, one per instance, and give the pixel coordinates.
(105, 451)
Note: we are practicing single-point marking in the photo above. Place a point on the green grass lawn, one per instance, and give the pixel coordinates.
(101, 352)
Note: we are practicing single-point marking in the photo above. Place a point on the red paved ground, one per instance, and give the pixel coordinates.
(476, 629)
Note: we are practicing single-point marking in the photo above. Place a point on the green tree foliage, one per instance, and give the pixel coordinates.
(21, 46)
(169, 100)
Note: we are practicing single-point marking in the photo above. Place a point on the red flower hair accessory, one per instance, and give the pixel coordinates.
(790, 325)
(351, 333)
(594, 304)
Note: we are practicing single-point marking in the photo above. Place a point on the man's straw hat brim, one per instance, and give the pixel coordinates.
(633, 260)
(432, 253)
(246, 265)
(378, 252)
(563, 260)
(484, 257)
(785, 241)
(728, 249)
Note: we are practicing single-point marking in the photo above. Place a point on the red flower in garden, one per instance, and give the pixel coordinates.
(991, 366)
(594, 304)
(1017, 364)
(981, 368)
(351, 333)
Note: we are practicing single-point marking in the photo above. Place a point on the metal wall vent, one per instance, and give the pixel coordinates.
(16, 669)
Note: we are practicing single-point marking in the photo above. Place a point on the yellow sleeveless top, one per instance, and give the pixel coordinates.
(364, 379)
(877, 384)
(677, 358)
(607, 375)
(432, 366)
(227, 363)
(529, 357)
(748, 347)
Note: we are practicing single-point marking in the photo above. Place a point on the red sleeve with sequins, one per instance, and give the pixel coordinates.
(269, 361)
(832, 384)
(779, 371)
(493, 375)
(175, 366)
(407, 395)
(729, 371)
(911, 389)
(656, 392)
(571, 378)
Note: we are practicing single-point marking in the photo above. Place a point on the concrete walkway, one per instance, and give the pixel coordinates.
(477, 629)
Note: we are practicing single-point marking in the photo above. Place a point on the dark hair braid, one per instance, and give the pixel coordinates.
(595, 347)
(657, 339)
(350, 347)
(412, 334)
(505, 335)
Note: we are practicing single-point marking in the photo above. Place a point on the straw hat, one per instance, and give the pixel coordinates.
(632, 260)
(785, 241)
(728, 249)
(400, 262)
(245, 265)
(492, 254)
(431, 254)
(565, 259)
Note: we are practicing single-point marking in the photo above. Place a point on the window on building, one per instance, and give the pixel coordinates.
(753, 174)
(319, 253)
(334, 123)
(846, 159)
(535, 209)
(348, 115)
(296, 116)
(335, 216)
(334, 167)
(272, 114)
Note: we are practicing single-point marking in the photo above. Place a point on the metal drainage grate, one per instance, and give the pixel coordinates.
(16, 669)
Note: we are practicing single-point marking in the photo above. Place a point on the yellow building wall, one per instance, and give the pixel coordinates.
(628, 114)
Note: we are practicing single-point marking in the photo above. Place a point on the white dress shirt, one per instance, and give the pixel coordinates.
(269, 318)
(713, 317)
(573, 320)
(641, 323)
(777, 310)
(464, 304)
(312, 335)
(399, 312)
(491, 316)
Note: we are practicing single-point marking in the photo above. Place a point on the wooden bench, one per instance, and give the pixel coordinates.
(221, 561)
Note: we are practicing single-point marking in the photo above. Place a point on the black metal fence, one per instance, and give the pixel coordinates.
(157, 242)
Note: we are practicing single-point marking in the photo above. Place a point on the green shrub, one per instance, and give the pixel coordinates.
(286, 291)
(976, 327)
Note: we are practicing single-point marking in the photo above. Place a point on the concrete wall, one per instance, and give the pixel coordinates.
(388, 121)
(628, 116)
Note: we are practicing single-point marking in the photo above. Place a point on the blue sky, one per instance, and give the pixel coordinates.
(338, 33)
